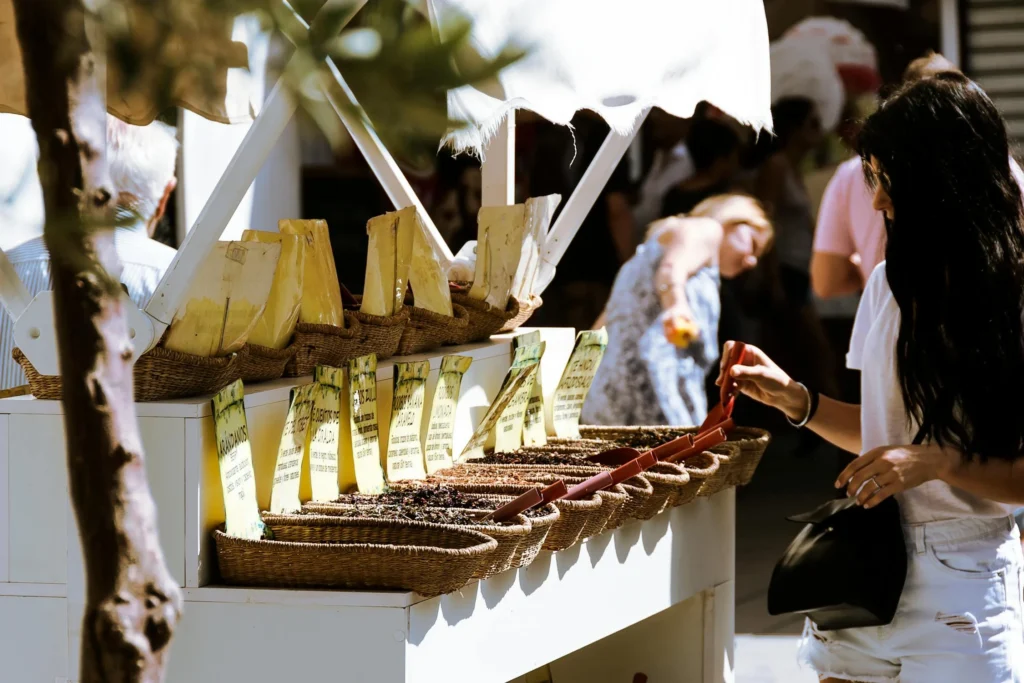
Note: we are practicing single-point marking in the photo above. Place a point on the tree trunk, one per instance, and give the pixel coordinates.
(132, 604)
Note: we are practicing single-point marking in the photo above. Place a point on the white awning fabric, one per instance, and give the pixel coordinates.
(615, 58)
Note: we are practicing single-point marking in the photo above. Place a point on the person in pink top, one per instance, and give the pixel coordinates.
(849, 240)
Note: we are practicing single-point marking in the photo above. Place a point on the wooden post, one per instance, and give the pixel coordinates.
(132, 603)
(498, 171)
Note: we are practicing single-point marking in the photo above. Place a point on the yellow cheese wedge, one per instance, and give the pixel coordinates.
(225, 300)
(499, 251)
(321, 293)
(275, 327)
(387, 261)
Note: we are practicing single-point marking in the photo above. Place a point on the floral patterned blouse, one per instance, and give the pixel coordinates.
(644, 379)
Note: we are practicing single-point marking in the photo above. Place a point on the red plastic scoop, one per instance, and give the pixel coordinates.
(597, 482)
(531, 498)
(554, 492)
(703, 443)
(729, 390)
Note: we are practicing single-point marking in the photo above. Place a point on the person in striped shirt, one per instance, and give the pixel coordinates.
(141, 162)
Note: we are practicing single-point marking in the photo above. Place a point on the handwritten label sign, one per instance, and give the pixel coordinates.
(508, 434)
(479, 441)
(325, 433)
(534, 432)
(405, 454)
(441, 429)
(284, 496)
(576, 380)
(234, 454)
(362, 394)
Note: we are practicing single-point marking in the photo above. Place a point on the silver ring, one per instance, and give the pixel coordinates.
(877, 487)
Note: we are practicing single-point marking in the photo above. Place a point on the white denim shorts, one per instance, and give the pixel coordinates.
(960, 619)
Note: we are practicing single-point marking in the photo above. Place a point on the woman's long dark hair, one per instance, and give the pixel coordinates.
(955, 262)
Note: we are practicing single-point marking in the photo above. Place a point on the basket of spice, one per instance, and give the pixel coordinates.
(573, 515)
(638, 488)
(437, 504)
(542, 518)
(751, 441)
(429, 559)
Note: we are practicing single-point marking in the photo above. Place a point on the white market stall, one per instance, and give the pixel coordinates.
(654, 597)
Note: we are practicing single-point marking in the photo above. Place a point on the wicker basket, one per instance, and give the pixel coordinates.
(430, 559)
(324, 345)
(719, 481)
(526, 309)
(508, 536)
(752, 443)
(612, 501)
(427, 330)
(699, 468)
(159, 374)
(381, 334)
(638, 489)
(540, 527)
(573, 515)
(669, 483)
(261, 363)
(483, 319)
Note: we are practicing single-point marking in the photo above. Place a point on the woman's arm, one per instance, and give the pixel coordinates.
(689, 244)
(764, 381)
(998, 480)
(837, 422)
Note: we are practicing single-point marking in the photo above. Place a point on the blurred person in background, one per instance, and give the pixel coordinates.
(780, 187)
(668, 163)
(141, 162)
(651, 373)
(21, 195)
(713, 145)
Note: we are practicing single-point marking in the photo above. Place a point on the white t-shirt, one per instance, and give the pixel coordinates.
(883, 417)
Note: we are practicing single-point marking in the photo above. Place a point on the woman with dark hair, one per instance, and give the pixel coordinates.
(714, 147)
(939, 341)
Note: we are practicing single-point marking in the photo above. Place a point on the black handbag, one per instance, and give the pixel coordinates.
(846, 569)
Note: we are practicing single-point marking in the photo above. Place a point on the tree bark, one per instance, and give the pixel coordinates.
(132, 604)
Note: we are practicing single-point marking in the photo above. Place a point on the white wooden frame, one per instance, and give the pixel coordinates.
(37, 337)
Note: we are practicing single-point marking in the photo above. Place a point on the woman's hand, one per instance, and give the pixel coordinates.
(886, 471)
(764, 381)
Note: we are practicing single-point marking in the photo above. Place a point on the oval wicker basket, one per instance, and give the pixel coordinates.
(508, 536)
(573, 515)
(526, 309)
(160, 374)
(699, 468)
(483, 319)
(724, 454)
(427, 330)
(429, 559)
(261, 363)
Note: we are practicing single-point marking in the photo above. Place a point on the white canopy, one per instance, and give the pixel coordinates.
(615, 58)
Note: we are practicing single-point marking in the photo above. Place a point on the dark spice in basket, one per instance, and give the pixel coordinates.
(456, 516)
(532, 458)
(428, 504)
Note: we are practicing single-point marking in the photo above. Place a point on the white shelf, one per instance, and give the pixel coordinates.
(265, 392)
(490, 631)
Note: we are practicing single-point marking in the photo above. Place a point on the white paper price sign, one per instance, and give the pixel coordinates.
(576, 380)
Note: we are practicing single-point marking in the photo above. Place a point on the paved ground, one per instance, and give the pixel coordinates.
(784, 484)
